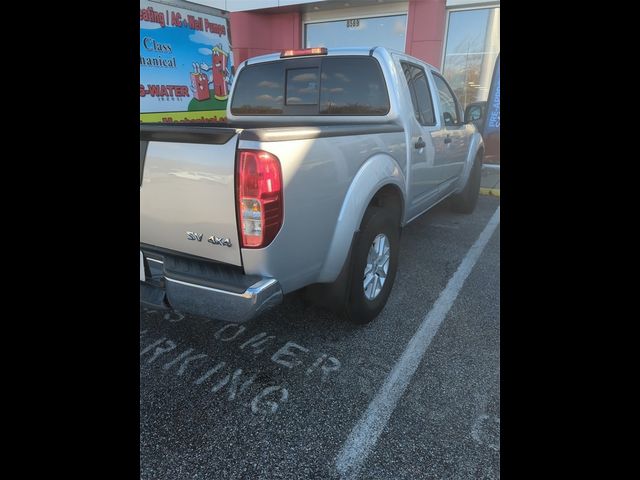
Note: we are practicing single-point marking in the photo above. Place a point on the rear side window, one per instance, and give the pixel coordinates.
(312, 86)
(420, 94)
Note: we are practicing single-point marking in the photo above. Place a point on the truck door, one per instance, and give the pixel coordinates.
(423, 179)
(451, 155)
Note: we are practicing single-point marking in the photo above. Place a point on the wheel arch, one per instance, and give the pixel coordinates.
(379, 181)
(389, 196)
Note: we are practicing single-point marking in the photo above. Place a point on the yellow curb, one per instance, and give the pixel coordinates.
(490, 191)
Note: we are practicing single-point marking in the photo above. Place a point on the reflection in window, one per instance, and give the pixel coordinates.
(302, 86)
(447, 102)
(420, 94)
(353, 85)
(473, 44)
(261, 91)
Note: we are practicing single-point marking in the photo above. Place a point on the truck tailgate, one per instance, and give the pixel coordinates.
(187, 190)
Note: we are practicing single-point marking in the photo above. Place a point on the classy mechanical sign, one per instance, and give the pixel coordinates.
(186, 65)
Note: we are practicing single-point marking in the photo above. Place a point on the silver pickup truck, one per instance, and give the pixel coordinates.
(326, 155)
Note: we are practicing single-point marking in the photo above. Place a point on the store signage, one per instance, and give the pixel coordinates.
(186, 65)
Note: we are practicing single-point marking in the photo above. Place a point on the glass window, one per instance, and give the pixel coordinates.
(420, 94)
(339, 86)
(472, 46)
(260, 90)
(408, 74)
(302, 86)
(353, 85)
(423, 96)
(358, 32)
(448, 102)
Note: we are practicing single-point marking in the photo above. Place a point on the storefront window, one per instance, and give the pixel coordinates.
(387, 32)
(473, 44)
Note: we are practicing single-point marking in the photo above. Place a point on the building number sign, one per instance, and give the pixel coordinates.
(353, 23)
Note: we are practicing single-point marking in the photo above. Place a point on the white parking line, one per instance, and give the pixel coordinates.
(365, 434)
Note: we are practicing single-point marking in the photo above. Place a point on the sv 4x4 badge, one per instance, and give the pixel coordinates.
(213, 240)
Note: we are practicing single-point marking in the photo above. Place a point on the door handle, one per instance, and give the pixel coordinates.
(420, 143)
(447, 139)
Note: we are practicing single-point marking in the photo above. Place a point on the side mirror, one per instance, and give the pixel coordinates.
(448, 119)
(474, 112)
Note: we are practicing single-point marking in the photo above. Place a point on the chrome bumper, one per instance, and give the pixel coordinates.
(187, 295)
(220, 304)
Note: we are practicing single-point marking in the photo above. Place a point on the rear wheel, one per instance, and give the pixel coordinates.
(374, 262)
(465, 201)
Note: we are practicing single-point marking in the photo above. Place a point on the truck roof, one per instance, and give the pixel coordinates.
(270, 57)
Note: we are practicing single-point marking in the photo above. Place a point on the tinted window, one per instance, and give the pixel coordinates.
(408, 74)
(447, 102)
(420, 94)
(353, 86)
(423, 95)
(302, 86)
(340, 86)
(260, 90)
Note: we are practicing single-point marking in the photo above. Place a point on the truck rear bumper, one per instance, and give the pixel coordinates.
(220, 304)
(192, 295)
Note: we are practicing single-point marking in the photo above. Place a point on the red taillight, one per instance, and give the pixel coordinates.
(259, 190)
(304, 51)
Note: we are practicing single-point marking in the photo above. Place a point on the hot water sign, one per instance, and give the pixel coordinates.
(186, 65)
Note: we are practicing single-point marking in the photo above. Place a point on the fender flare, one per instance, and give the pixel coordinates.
(376, 172)
(475, 145)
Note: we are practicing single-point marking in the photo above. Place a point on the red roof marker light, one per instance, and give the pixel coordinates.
(304, 51)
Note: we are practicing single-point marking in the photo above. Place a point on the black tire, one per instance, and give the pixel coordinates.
(465, 201)
(377, 220)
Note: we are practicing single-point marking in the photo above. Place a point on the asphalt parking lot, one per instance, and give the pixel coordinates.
(287, 395)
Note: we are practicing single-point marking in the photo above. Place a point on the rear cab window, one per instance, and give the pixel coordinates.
(340, 85)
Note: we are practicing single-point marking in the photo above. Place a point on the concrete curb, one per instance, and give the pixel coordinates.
(494, 192)
(490, 181)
